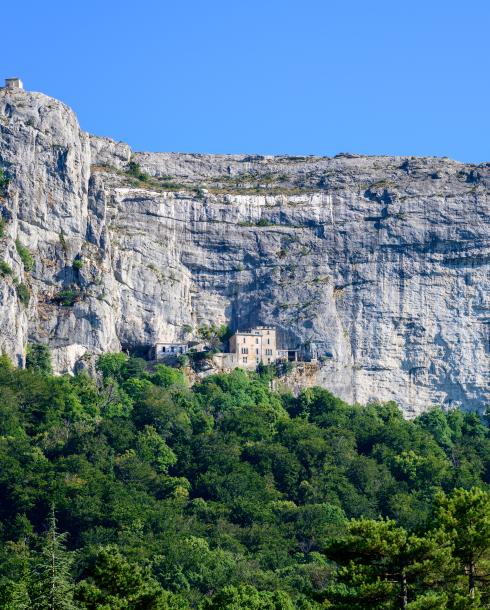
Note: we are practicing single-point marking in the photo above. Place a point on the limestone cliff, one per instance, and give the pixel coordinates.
(380, 263)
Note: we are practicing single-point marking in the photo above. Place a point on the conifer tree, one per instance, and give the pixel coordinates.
(383, 566)
(53, 585)
(464, 517)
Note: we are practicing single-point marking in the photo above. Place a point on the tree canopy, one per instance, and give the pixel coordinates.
(144, 492)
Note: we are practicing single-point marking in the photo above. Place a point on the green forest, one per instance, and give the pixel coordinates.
(130, 489)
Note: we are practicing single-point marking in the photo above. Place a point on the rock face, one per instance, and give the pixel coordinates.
(380, 264)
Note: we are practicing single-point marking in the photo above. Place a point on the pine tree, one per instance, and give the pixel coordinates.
(383, 566)
(464, 517)
(53, 585)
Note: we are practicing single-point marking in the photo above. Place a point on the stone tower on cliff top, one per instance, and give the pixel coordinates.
(13, 83)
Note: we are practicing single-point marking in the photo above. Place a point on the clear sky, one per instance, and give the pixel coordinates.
(271, 76)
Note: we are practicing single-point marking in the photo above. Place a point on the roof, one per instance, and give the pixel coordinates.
(252, 331)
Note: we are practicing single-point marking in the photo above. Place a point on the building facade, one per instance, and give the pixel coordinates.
(163, 351)
(254, 346)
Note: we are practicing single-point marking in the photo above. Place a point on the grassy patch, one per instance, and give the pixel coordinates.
(67, 297)
(77, 263)
(25, 256)
(5, 268)
(23, 293)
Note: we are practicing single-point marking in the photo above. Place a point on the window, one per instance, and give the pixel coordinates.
(245, 359)
(244, 350)
(268, 360)
(268, 352)
(244, 339)
(163, 349)
(257, 351)
(257, 341)
(268, 341)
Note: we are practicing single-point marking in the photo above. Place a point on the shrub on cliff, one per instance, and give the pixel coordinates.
(5, 268)
(23, 293)
(67, 297)
(25, 256)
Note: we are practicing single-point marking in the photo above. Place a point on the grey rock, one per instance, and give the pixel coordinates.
(381, 263)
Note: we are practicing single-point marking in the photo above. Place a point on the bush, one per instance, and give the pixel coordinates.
(77, 263)
(5, 268)
(25, 256)
(67, 297)
(38, 358)
(263, 222)
(4, 181)
(134, 169)
(23, 293)
(165, 376)
(284, 368)
(183, 361)
(3, 223)
(112, 365)
(215, 335)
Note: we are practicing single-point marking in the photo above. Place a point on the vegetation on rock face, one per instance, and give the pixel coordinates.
(77, 263)
(23, 293)
(67, 297)
(133, 490)
(215, 335)
(4, 181)
(5, 268)
(135, 170)
(25, 256)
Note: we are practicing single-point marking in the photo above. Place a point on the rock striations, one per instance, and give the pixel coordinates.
(380, 263)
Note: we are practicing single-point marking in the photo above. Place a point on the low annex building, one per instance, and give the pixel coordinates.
(163, 351)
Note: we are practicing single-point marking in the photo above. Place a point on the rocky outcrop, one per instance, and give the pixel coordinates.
(380, 264)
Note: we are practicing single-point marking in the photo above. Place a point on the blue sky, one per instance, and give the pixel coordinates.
(269, 77)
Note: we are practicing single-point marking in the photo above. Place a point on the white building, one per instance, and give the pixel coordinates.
(169, 350)
(13, 83)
